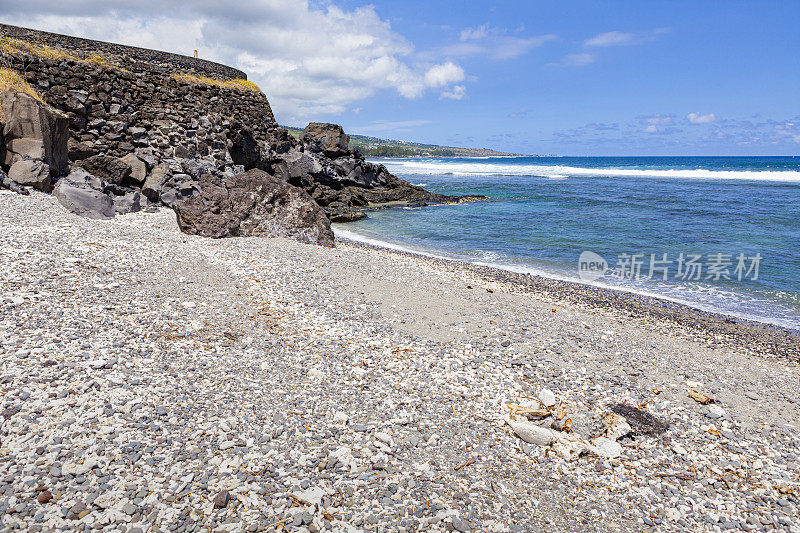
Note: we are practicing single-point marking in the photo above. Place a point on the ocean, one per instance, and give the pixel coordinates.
(720, 234)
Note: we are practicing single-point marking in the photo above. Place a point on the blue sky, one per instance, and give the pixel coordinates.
(570, 78)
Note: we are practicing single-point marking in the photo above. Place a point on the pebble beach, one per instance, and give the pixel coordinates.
(155, 381)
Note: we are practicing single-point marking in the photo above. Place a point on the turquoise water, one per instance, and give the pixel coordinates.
(731, 213)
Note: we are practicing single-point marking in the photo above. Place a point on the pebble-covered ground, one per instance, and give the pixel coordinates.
(153, 381)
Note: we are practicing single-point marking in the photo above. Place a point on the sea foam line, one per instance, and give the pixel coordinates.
(502, 169)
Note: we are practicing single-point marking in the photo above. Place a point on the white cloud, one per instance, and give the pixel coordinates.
(576, 60)
(474, 34)
(697, 118)
(611, 38)
(458, 93)
(445, 74)
(309, 60)
(618, 38)
(657, 123)
(492, 42)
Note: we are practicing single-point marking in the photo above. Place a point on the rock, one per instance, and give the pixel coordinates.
(533, 434)
(641, 421)
(155, 181)
(328, 138)
(570, 446)
(460, 525)
(300, 164)
(253, 204)
(110, 169)
(221, 500)
(177, 188)
(147, 157)
(6, 182)
(605, 447)
(138, 172)
(79, 150)
(244, 149)
(715, 411)
(586, 423)
(130, 202)
(44, 497)
(547, 397)
(616, 426)
(31, 172)
(129, 509)
(83, 194)
(34, 130)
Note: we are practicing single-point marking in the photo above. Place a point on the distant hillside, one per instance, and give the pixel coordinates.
(376, 147)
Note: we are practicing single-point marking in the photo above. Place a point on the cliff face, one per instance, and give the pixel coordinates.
(152, 125)
(128, 98)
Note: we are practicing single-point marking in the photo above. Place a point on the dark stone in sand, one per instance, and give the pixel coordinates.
(221, 500)
(642, 422)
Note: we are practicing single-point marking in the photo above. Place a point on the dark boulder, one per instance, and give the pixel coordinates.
(155, 181)
(177, 188)
(329, 139)
(244, 149)
(84, 194)
(32, 173)
(80, 150)
(8, 183)
(253, 203)
(90, 196)
(34, 131)
(111, 169)
(138, 168)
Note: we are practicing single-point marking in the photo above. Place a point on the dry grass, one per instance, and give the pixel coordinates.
(238, 84)
(10, 46)
(11, 79)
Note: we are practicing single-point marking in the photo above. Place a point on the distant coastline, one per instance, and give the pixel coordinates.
(393, 148)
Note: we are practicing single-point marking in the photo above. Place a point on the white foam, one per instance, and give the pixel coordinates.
(436, 167)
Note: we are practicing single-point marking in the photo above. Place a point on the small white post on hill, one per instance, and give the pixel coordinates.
(195, 54)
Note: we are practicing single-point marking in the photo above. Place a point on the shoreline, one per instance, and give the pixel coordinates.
(717, 328)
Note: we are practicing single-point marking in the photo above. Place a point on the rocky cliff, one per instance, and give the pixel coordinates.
(142, 127)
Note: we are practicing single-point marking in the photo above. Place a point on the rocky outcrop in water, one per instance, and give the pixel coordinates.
(339, 179)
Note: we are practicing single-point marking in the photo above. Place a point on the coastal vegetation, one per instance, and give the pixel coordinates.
(9, 45)
(238, 84)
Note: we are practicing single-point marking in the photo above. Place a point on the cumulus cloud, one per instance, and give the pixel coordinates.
(697, 118)
(309, 60)
(444, 74)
